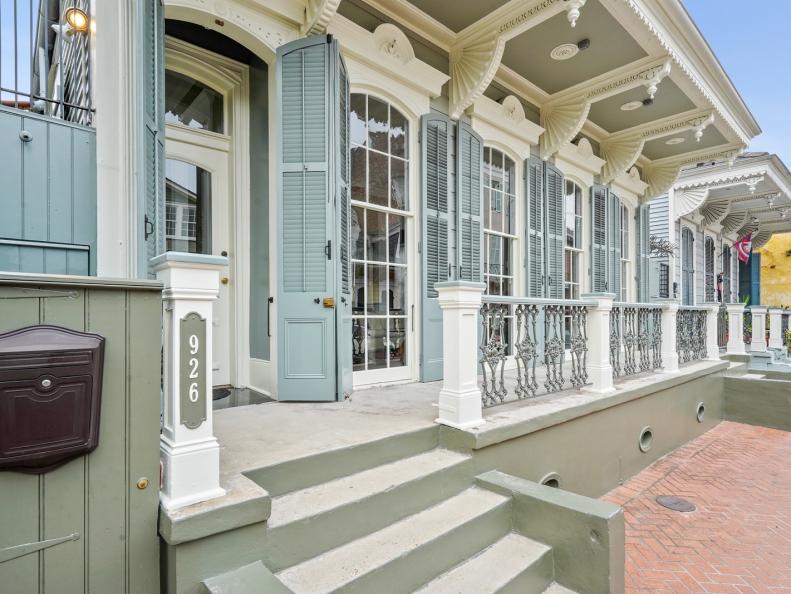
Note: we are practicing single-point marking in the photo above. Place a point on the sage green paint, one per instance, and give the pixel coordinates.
(95, 495)
(254, 578)
(192, 370)
(763, 402)
(586, 535)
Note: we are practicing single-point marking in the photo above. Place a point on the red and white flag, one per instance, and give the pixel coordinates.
(743, 247)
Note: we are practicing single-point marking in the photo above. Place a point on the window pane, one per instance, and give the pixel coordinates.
(377, 289)
(358, 133)
(378, 127)
(487, 167)
(376, 236)
(398, 189)
(487, 219)
(397, 239)
(398, 330)
(358, 344)
(358, 173)
(377, 343)
(397, 296)
(358, 299)
(358, 233)
(191, 103)
(510, 216)
(377, 178)
(188, 199)
(506, 258)
(507, 286)
(494, 254)
(494, 285)
(496, 216)
(398, 134)
(509, 174)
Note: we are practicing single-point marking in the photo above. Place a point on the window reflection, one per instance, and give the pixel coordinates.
(187, 208)
(192, 104)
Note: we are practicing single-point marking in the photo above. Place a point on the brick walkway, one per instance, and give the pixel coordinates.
(738, 539)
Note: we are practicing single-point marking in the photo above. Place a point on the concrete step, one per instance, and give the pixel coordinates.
(310, 521)
(315, 469)
(512, 564)
(555, 588)
(409, 553)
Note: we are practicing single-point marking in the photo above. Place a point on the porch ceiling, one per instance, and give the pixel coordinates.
(659, 149)
(459, 14)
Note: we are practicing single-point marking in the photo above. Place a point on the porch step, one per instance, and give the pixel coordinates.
(512, 564)
(310, 521)
(409, 553)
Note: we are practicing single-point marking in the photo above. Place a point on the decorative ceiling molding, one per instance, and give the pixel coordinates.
(662, 174)
(692, 196)
(476, 53)
(392, 42)
(318, 14)
(564, 114)
(714, 211)
(750, 179)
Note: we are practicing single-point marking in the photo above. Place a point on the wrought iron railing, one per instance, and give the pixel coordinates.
(543, 331)
(45, 66)
(691, 333)
(722, 326)
(747, 326)
(635, 338)
(784, 326)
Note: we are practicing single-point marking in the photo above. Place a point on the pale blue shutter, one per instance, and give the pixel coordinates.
(152, 172)
(469, 194)
(599, 280)
(644, 254)
(534, 246)
(709, 282)
(687, 266)
(435, 150)
(614, 246)
(308, 72)
(554, 189)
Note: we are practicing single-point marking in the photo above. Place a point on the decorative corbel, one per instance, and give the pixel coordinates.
(687, 201)
(714, 211)
(660, 177)
(760, 238)
(620, 153)
(318, 14)
(734, 221)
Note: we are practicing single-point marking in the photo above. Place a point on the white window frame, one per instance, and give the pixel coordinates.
(488, 231)
(626, 260)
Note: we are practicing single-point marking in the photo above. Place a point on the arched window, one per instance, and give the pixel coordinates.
(499, 222)
(708, 265)
(573, 244)
(379, 136)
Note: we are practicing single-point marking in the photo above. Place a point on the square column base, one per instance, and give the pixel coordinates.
(601, 380)
(190, 473)
(461, 410)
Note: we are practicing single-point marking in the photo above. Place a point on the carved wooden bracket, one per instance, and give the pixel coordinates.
(318, 14)
(714, 211)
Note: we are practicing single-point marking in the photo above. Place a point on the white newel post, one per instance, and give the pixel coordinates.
(712, 344)
(669, 329)
(460, 398)
(758, 343)
(735, 329)
(599, 367)
(775, 328)
(189, 451)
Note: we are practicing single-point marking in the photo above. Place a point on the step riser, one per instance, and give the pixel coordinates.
(314, 470)
(536, 578)
(421, 565)
(293, 543)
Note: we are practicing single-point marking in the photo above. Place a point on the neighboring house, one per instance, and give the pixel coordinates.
(776, 270)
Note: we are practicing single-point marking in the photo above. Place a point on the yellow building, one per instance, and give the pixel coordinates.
(776, 271)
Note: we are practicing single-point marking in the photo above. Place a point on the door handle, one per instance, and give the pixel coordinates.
(329, 302)
(224, 280)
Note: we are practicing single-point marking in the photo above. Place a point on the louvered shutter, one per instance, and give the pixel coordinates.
(643, 254)
(687, 266)
(534, 246)
(435, 150)
(599, 280)
(308, 80)
(469, 192)
(699, 268)
(708, 289)
(614, 246)
(152, 172)
(554, 190)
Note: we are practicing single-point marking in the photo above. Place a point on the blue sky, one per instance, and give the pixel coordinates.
(750, 37)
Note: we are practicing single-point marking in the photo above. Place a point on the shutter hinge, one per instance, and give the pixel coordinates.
(419, 247)
(328, 249)
(147, 224)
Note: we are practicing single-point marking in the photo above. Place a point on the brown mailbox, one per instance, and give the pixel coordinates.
(50, 396)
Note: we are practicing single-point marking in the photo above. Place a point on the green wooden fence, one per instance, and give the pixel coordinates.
(99, 496)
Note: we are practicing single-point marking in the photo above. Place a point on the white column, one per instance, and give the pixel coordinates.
(775, 329)
(460, 403)
(735, 329)
(758, 343)
(712, 344)
(189, 451)
(599, 367)
(669, 318)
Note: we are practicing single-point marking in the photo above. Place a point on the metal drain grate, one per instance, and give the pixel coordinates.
(675, 503)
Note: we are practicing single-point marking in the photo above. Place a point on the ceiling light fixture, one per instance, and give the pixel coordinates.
(631, 106)
(676, 140)
(564, 51)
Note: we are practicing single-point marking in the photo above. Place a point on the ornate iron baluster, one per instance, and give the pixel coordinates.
(526, 350)
(493, 350)
(700, 335)
(656, 337)
(644, 339)
(629, 340)
(747, 320)
(553, 347)
(615, 341)
(579, 345)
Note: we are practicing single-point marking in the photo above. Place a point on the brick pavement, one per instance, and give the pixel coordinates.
(738, 539)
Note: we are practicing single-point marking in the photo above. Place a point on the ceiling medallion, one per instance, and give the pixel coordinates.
(676, 140)
(631, 106)
(564, 51)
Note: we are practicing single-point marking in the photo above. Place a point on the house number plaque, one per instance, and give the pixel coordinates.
(192, 370)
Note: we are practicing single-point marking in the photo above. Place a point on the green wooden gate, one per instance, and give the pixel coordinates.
(109, 498)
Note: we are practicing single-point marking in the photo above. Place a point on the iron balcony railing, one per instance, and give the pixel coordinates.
(722, 326)
(537, 335)
(635, 338)
(691, 328)
(45, 66)
(747, 325)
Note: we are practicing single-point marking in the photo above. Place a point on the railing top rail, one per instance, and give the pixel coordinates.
(694, 307)
(637, 305)
(509, 300)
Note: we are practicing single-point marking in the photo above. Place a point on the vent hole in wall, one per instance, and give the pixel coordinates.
(700, 412)
(646, 439)
(551, 480)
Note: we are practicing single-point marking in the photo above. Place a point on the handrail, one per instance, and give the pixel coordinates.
(510, 300)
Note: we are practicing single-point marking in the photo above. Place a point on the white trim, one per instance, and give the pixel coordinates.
(504, 126)
(579, 162)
